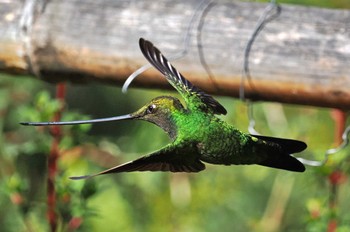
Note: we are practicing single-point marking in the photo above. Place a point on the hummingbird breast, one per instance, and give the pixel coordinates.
(217, 142)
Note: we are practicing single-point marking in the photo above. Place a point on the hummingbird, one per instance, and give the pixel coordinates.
(197, 134)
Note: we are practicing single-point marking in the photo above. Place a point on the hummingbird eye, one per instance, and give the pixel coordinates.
(151, 109)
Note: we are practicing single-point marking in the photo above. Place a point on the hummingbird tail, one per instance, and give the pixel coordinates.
(282, 158)
(286, 162)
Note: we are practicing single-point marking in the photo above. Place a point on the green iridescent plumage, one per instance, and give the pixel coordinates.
(200, 136)
(197, 134)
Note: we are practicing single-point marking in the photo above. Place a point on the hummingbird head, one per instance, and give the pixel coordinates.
(160, 111)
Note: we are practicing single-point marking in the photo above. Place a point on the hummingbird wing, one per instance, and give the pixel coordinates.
(170, 158)
(193, 96)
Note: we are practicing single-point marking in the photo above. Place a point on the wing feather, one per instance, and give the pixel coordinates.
(192, 95)
(166, 159)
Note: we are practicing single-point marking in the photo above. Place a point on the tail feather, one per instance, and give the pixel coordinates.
(287, 163)
(281, 158)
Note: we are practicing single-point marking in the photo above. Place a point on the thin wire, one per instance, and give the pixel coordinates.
(251, 125)
(202, 60)
(133, 76)
(187, 40)
(263, 20)
(329, 152)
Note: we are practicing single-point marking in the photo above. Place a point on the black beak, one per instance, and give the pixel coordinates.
(116, 118)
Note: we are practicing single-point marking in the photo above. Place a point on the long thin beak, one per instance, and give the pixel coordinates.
(116, 118)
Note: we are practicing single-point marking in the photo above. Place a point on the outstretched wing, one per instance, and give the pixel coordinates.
(170, 158)
(193, 96)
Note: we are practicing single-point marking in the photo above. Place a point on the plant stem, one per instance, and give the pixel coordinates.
(52, 161)
(335, 178)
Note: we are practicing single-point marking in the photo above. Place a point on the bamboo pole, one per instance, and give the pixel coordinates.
(301, 57)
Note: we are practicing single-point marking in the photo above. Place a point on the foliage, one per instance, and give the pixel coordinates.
(240, 198)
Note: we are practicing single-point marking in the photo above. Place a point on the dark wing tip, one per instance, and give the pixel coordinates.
(156, 58)
(217, 107)
(181, 84)
(221, 110)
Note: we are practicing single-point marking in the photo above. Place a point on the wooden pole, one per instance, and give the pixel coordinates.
(301, 57)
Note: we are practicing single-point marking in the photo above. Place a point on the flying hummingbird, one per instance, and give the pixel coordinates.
(197, 134)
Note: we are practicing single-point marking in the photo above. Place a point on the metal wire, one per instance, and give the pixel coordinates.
(267, 16)
(332, 151)
(263, 20)
(251, 125)
(202, 60)
(187, 40)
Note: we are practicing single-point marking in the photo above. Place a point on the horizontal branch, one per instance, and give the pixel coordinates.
(300, 57)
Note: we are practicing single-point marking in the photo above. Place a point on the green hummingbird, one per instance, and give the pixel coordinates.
(197, 135)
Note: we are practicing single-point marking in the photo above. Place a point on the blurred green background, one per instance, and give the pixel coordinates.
(222, 198)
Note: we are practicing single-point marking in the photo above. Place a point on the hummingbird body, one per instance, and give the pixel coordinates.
(218, 143)
(197, 134)
(204, 137)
